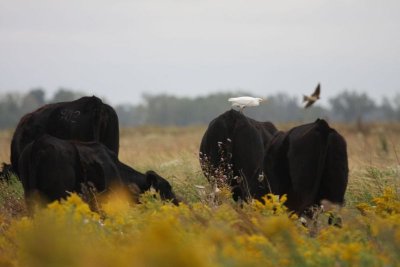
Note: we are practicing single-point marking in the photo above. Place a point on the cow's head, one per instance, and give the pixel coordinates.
(162, 186)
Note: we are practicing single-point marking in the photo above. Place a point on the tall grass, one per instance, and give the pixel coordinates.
(205, 230)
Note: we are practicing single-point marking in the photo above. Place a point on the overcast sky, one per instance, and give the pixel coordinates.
(120, 49)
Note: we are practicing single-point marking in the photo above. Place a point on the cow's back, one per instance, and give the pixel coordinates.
(30, 127)
(336, 171)
(85, 119)
(216, 141)
(308, 163)
(233, 139)
(247, 158)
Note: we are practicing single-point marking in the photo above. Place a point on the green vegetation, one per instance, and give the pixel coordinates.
(163, 109)
(209, 229)
(200, 234)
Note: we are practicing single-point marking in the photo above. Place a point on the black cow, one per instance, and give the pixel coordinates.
(85, 119)
(308, 163)
(52, 167)
(235, 145)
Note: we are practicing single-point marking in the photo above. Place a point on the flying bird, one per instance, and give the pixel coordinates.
(245, 101)
(314, 97)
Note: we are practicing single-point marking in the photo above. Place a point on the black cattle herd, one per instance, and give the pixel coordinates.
(60, 148)
(308, 162)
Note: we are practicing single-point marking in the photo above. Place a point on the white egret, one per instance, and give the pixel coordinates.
(245, 101)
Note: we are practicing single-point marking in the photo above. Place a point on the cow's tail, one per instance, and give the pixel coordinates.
(15, 153)
(109, 128)
(103, 131)
(335, 176)
(28, 175)
(324, 130)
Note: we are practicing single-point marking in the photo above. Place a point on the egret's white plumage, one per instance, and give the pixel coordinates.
(245, 101)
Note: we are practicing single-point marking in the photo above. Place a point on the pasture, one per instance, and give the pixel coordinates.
(210, 229)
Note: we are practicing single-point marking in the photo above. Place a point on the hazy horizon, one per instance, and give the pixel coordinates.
(122, 49)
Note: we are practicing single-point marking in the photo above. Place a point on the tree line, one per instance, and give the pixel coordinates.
(164, 109)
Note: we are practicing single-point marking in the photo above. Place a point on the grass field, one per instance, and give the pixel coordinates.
(210, 230)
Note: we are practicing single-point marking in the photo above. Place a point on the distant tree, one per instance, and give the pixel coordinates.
(64, 94)
(171, 110)
(277, 108)
(167, 109)
(386, 110)
(206, 108)
(351, 106)
(396, 108)
(9, 110)
(39, 95)
(130, 115)
(284, 108)
(32, 100)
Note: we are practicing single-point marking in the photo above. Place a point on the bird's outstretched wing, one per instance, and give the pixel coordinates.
(309, 103)
(317, 91)
(248, 102)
